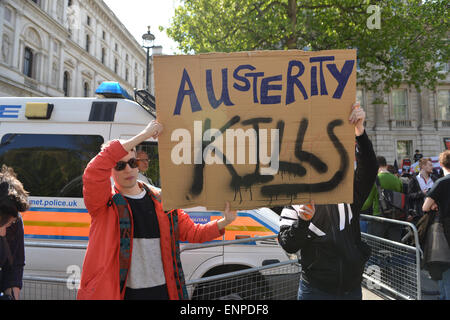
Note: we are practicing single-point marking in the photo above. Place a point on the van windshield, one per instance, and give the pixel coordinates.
(49, 164)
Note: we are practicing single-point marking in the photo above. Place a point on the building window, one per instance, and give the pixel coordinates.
(88, 20)
(116, 65)
(66, 81)
(404, 150)
(400, 104)
(69, 3)
(443, 104)
(28, 62)
(103, 55)
(86, 89)
(116, 47)
(126, 75)
(103, 35)
(88, 42)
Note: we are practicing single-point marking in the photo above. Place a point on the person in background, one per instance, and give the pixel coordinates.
(418, 187)
(438, 198)
(417, 156)
(13, 199)
(142, 158)
(333, 256)
(390, 182)
(424, 177)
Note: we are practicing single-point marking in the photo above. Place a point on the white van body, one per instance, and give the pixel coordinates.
(56, 218)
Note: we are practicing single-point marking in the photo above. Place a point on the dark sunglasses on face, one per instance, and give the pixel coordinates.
(120, 165)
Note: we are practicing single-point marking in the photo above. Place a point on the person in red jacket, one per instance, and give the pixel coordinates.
(133, 250)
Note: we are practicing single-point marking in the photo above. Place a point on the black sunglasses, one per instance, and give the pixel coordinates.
(120, 165)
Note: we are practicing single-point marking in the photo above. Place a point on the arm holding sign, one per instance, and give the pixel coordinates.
(367, 165)
(198, 233)
(295, 229)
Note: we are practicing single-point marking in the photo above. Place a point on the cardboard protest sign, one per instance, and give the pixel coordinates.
(258, 129)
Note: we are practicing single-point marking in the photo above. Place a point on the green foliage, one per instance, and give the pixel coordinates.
(409, 45)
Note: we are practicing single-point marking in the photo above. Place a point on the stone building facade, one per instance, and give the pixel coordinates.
(65, 48)
(409, 120)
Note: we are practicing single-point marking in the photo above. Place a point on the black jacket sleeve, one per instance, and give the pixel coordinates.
(366, 171)
(293, 238)
(414, 191)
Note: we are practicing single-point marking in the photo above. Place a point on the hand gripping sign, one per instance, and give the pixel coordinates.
(258, 129)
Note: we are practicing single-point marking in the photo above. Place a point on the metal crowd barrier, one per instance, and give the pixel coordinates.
(48, 288)
(278, 281)
(393, 270)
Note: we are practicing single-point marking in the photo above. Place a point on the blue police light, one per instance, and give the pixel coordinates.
(110, 89)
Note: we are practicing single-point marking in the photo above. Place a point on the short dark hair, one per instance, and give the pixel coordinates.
(423, 162)
(13, 197)
(381, 161)
(444, 159)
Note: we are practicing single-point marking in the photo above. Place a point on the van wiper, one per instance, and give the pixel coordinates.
(8, 141)
(146, 100)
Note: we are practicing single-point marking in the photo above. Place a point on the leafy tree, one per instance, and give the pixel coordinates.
(409, 45)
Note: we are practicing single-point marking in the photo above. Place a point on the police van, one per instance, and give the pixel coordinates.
(49, 141)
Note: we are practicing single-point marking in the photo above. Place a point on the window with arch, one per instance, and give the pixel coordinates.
(66, 82)
(86, 92)
(28, 62)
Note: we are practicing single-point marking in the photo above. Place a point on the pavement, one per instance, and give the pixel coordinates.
(369, 295)
(430, 289)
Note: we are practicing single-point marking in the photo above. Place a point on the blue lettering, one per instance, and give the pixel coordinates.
(314, 90)
(246, 85)
(323, 86)
(255, 76)
(225, 97)
(265, 87)
(182, 92)
(341, 76)
(293, 80)
(8, 111)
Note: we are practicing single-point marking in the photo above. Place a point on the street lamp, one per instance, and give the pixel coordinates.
(148, 39)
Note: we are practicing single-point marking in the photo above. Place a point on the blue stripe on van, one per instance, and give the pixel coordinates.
(8, 111)
(58, 210)
(40, 236)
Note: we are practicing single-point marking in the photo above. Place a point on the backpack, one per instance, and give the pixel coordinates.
(393, 204)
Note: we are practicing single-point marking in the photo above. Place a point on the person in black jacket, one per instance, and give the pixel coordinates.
(333, 256)
(13, 199)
